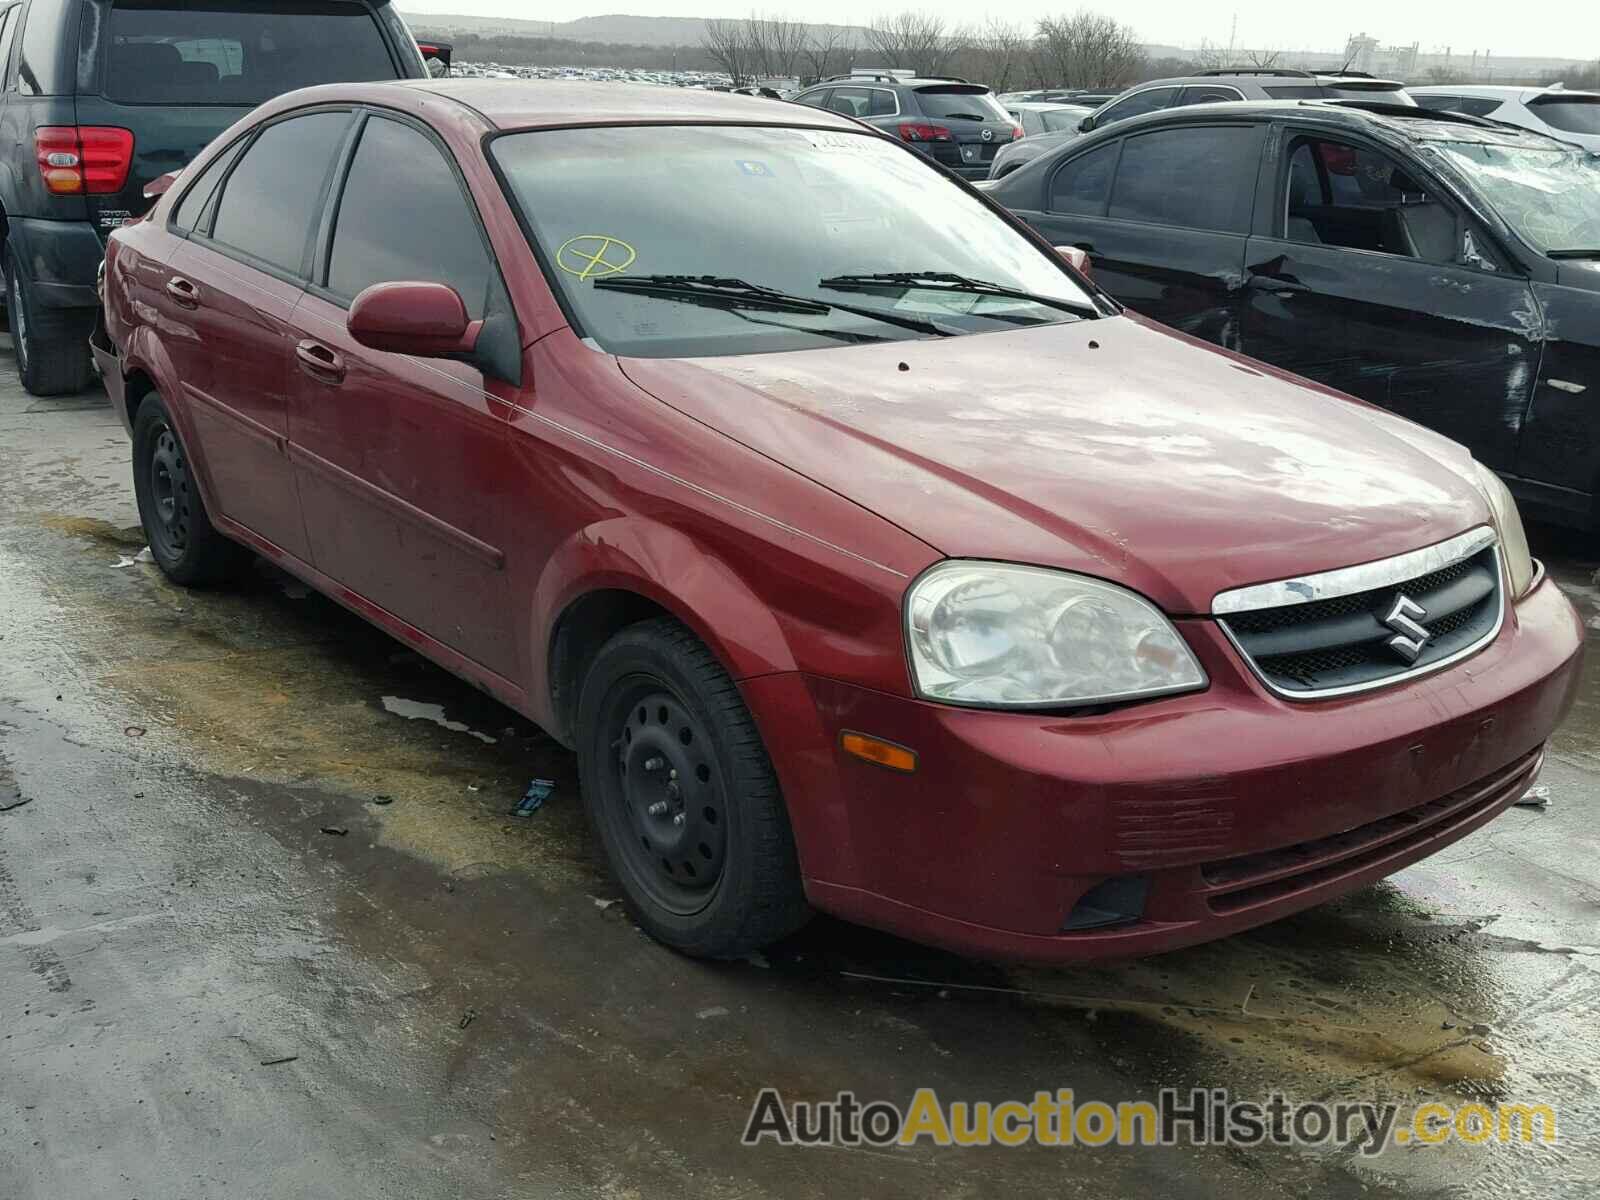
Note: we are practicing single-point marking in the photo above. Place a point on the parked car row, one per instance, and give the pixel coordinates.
(662, 417)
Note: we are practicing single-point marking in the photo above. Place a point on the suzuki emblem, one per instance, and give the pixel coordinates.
(1410, 637)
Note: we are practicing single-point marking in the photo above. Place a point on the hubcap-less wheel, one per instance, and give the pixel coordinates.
(665, 798)
(169, 488)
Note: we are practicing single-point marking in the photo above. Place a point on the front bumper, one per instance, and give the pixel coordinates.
(1228, 807)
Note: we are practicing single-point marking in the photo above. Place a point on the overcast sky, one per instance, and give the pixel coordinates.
(1557, 28)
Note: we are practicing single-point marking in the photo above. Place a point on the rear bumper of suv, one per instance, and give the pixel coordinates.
(1052, 837)
(59, 259)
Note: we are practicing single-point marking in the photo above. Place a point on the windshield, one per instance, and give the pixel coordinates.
(780, 209)
(1551, 197)
(1065, 120)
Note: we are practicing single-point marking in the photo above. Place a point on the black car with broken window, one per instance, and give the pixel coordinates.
(1440, 265)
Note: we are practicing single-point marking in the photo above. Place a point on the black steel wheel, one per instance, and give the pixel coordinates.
(682, 796)
(184, 543)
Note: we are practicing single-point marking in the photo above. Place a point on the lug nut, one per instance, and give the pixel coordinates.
(673, 774)
(654, 763)
(656, 809)
(678, 820)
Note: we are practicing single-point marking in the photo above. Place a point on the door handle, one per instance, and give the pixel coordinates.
(184, 292)
(319, 361)
(1277, 285)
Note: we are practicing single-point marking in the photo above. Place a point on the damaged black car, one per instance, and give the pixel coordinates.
(1443, 266)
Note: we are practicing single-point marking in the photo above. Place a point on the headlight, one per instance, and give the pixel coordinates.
(1003, 636)
(1508, 524)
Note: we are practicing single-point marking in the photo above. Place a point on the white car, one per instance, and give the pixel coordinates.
(1571, 116)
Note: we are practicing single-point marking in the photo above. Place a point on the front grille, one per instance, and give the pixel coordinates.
(1345, 643)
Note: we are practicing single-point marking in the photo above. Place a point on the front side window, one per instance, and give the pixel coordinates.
(1549, 196)
(403, 217)
(238, 52)
(270, 202)
(1352, 196)
(806, 214)
(1064, 120)
(1160, 178)
(1138, 104)
(816, 98)
(1082, 185)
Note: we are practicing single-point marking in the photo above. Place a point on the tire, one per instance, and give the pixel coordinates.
(52, 344)
(683, 798)
(182, 540)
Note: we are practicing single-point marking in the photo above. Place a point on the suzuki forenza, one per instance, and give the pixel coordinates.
(869, 557)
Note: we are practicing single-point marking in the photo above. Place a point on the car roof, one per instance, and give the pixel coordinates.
(1045, 105)
(1400, 122)
(532, 103)
(1501, 90)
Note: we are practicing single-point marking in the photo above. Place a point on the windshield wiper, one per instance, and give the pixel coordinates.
(718, 291)
(1572, 253)
(945, 281)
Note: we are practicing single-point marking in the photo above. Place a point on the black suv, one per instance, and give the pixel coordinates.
(1245, 83)
(958, 124)
(1440, 265)
(102, 96)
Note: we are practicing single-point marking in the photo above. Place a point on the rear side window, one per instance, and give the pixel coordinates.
(191, 209)
(8, 31)
(403, 216)
(270, 203)
(1082, 185)
(1306, 91)
(237, 51)
(961, 102)
(1474, 106)
(1195, 178)
(39, 66)
(862, 102)
(1208, 94)
(1572, 115)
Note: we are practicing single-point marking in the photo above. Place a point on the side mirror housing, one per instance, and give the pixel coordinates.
(1077, 259)
(1086, 125)
(160, 185)
(428, 320)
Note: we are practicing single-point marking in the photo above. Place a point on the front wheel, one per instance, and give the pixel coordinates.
(681, 793)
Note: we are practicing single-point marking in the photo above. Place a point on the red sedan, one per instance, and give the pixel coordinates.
(869, 558)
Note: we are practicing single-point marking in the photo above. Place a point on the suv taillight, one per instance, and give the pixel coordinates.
(924, 133)
(74, 159)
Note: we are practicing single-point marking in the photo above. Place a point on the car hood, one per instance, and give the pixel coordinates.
(1113, 447)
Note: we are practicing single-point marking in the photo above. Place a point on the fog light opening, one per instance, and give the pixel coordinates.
(1115, 901)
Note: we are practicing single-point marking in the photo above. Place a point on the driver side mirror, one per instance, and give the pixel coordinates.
(1077, 259)
(427, 320)
(1087, 124)
(161, 185)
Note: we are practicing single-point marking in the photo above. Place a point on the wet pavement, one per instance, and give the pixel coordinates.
(266, 929)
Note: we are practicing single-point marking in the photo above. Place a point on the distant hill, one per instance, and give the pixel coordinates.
(617, 29)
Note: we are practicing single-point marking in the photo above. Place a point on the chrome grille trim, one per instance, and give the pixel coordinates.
(1346, 581)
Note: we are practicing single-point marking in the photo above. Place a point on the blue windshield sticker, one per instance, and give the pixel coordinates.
(759, 169)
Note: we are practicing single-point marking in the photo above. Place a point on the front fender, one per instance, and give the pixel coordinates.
(670, 569)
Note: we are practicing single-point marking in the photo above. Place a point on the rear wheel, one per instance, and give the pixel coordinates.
(52, 344)
(682, 795)
(185, 545)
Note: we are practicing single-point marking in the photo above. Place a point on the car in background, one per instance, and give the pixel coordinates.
(1038, 117)
(1024, 150)
(959, 125)
(867, 555)
(1244, 83)
(101, 97)
(1572, 116)
(1442, 266)
(436, 55)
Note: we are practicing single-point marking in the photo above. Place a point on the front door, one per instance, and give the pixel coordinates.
(1164, 218)
(1375, 285)
(403, 463)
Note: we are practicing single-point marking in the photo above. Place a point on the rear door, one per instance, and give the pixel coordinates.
(1368, 278)
(978, 125)
(1164, 216)
(176, 74)
(404, 463)
(230, 288)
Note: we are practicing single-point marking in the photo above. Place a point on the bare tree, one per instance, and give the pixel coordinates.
(910, 40)
(782, 40)
(1089, 50)
(727, 43)
(823, 44)
(996, 54)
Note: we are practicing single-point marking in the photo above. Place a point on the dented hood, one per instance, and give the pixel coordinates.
(1114, 447)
